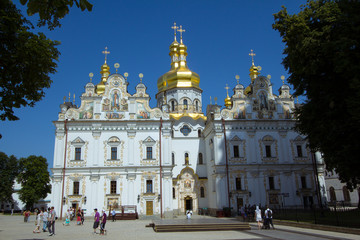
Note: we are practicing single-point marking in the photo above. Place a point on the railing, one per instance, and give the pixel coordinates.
(180, 108)
(332, 215)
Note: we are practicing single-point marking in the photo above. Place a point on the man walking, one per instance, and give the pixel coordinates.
(268, 218)
(45, 217)
(96, 220)
(113, 214)
(52, 222)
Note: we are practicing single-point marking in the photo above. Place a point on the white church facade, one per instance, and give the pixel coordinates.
(115, 150)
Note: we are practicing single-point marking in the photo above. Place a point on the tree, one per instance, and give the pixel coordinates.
(35, 180)
(51, 11)
(8, 173)
(322, 55)
(27, 59)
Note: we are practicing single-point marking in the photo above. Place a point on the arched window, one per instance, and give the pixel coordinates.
(185, 104)
(186, 159)
(346, 194)
(173, 158)
(201, 158)
(196, 106)
(202, 192)
(332, 194)
(173, 193)
(199, 133)
(172, 106)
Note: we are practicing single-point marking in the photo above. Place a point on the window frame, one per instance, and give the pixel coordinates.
(113, 187)
(76, 188)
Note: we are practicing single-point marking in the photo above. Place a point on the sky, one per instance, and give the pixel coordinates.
(219, 36)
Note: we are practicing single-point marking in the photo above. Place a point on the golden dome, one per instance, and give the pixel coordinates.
(179, 76)
(105, 72)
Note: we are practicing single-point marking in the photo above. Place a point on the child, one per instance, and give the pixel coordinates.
(37, 222)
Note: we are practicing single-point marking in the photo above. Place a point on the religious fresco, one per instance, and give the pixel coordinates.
(239, 114)
(115, 100)
(141, 113)
(114, 115)
(87, 113)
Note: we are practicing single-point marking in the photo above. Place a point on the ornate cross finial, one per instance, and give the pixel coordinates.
(141, 77)
(283, 78)
(116, 66)
(64, 99)
(237, 77)
(175, 29)
(91, 76)
(69, 97)
(227, 90)
(181, 30)
(215, 99)
(106, 52)
(74, 99)
(252, 54)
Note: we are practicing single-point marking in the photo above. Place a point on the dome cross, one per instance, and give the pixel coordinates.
(181, 30)
(252, 54)
(106, 52)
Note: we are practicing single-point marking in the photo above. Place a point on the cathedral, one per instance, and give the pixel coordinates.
(115, 150)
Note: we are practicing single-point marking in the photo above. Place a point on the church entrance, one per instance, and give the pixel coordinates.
(149, 208)
(188, 203)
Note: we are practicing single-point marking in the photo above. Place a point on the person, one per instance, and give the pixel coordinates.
(53, 217)
(113, 214)
(82, 217)
(268, 218)
(45, 216)
(37, 221)
(188, 214)
(258, 217)
(103, 222)
(78, 217)
(96, 220)
(67, 218)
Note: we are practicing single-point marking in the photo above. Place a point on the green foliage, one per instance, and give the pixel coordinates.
(8, 172)
(27, 60)
(35, 180)
(322, 55)
(50, 12)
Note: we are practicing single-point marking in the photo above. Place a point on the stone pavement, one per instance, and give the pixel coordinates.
(13, 227)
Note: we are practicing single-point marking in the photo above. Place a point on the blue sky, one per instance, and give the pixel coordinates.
(219, 36)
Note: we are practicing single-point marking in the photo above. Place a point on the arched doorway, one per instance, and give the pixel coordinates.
(188, 203)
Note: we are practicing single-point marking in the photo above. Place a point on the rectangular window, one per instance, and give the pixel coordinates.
(303, 182)
(149, 153)
(113, 187)
(77, 153)
(149, 186)
(238, 183)
(236, 151)
(268, 150)
(173, 193)
(76, 188)
(271, 183)
(299, 151)
(113, 153)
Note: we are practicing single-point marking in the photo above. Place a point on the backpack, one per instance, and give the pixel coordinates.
(269, 213)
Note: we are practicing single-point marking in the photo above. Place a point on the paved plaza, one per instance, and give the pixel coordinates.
(13, 227)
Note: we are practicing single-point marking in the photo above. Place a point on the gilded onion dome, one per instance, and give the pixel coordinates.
(179, 76)
(228, 102)
(105, 72)
(254, 72)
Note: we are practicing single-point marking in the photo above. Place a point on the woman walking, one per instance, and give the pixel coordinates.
(258, 217)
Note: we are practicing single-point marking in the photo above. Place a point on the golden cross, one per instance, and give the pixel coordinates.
(181, 30)
(252, 54)
(106, 52)
(227, 88)
(175, 28)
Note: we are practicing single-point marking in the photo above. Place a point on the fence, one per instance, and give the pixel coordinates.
(333, 215)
